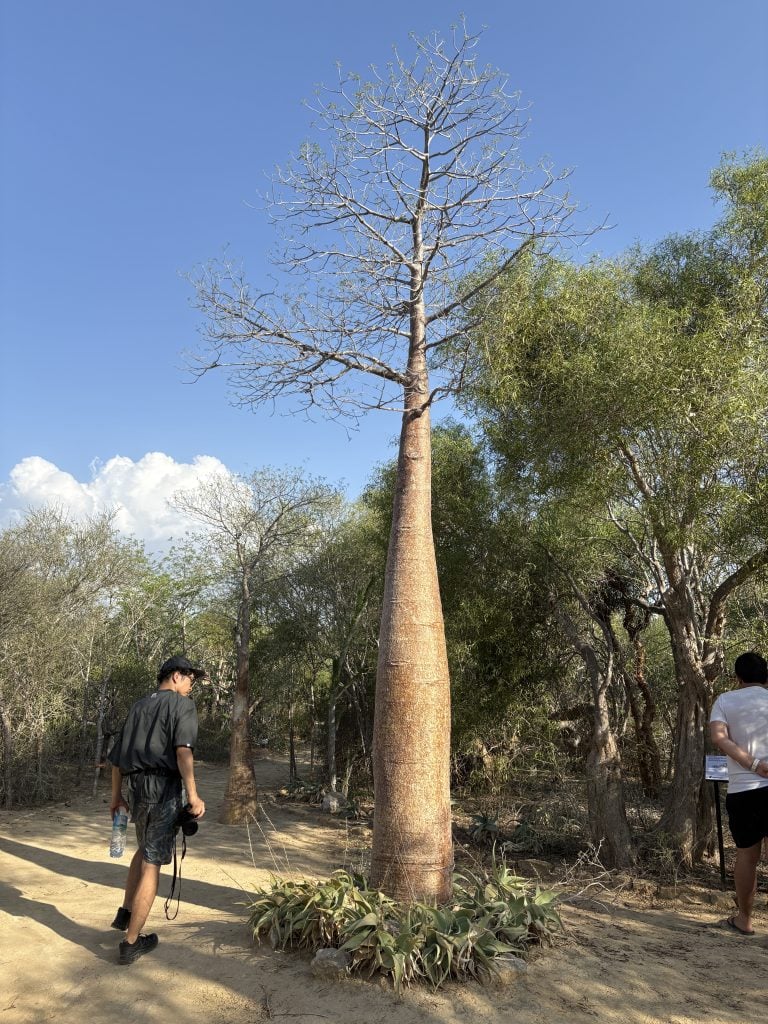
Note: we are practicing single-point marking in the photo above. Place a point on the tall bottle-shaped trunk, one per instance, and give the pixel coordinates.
(412, 854)
(241, 797)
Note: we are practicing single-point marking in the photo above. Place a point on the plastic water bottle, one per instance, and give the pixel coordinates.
(119, 829)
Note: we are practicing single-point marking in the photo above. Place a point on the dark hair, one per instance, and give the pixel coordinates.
(751, 668)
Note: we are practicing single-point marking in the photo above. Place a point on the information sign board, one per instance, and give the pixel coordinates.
(716, 767)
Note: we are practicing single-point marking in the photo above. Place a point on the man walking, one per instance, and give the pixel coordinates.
(738, 725)
(153, 752)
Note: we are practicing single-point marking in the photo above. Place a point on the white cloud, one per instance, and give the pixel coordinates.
(138, 491)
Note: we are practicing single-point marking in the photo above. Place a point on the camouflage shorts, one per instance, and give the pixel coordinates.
(156, 828)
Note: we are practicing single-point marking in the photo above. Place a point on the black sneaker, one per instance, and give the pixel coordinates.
(122, 920)
(130, 951)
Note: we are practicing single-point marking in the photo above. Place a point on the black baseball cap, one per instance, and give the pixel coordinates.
(179, 664)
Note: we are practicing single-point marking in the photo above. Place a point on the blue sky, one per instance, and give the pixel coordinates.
(136, 138)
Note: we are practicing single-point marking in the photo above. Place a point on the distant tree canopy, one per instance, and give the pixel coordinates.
(627, 403)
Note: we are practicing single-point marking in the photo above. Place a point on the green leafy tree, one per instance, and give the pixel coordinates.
(253, 527)
(61, 583)
(633, 394)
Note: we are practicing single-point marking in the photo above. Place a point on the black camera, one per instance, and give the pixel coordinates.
(187, 821)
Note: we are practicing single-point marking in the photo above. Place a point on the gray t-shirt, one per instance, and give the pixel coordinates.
(745, 712)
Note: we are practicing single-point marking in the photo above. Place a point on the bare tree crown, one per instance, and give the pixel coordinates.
(412, 199)
(252, 521)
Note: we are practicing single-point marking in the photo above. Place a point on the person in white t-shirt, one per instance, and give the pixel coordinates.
(738, 725)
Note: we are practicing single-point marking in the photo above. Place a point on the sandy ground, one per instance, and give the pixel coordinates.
(636, 958)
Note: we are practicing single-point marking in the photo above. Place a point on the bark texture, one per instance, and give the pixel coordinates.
(605, 789)
(636, 683)
(608, 825)
(412, 848)
(697, 652)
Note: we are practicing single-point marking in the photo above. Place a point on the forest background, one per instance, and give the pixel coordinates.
(599, 520)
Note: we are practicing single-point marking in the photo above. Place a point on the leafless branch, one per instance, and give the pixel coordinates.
(410, 200)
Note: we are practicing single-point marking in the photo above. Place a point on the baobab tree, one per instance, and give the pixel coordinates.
(411, 202)
(252, 526)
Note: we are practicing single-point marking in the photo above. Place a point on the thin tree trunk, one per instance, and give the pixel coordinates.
(83, 734)
(606, 808)
(347, 776)
(292, 771)
(605, 788)
(412, 855)
(355, 698)
(687, 816)
(648, 756)
(636, 621)
(84, 717)
(313, 715)
(8, 756)
(651, 757)
(100, 732)
(339, 663)
(241, 796)
(40, 786)
(333, 694)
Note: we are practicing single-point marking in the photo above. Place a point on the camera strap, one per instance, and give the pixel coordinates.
(176, 876)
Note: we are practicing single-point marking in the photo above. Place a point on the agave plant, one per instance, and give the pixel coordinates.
(491, 914)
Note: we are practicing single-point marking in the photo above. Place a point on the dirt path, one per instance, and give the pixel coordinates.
(635, 961)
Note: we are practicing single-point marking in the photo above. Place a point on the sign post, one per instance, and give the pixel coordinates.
(716, 769)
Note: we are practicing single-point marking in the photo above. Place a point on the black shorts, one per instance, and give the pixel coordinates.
(156, 828)
(748, 816)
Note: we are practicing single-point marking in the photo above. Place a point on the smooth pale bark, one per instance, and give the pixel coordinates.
(241, 797)
(412, 855)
